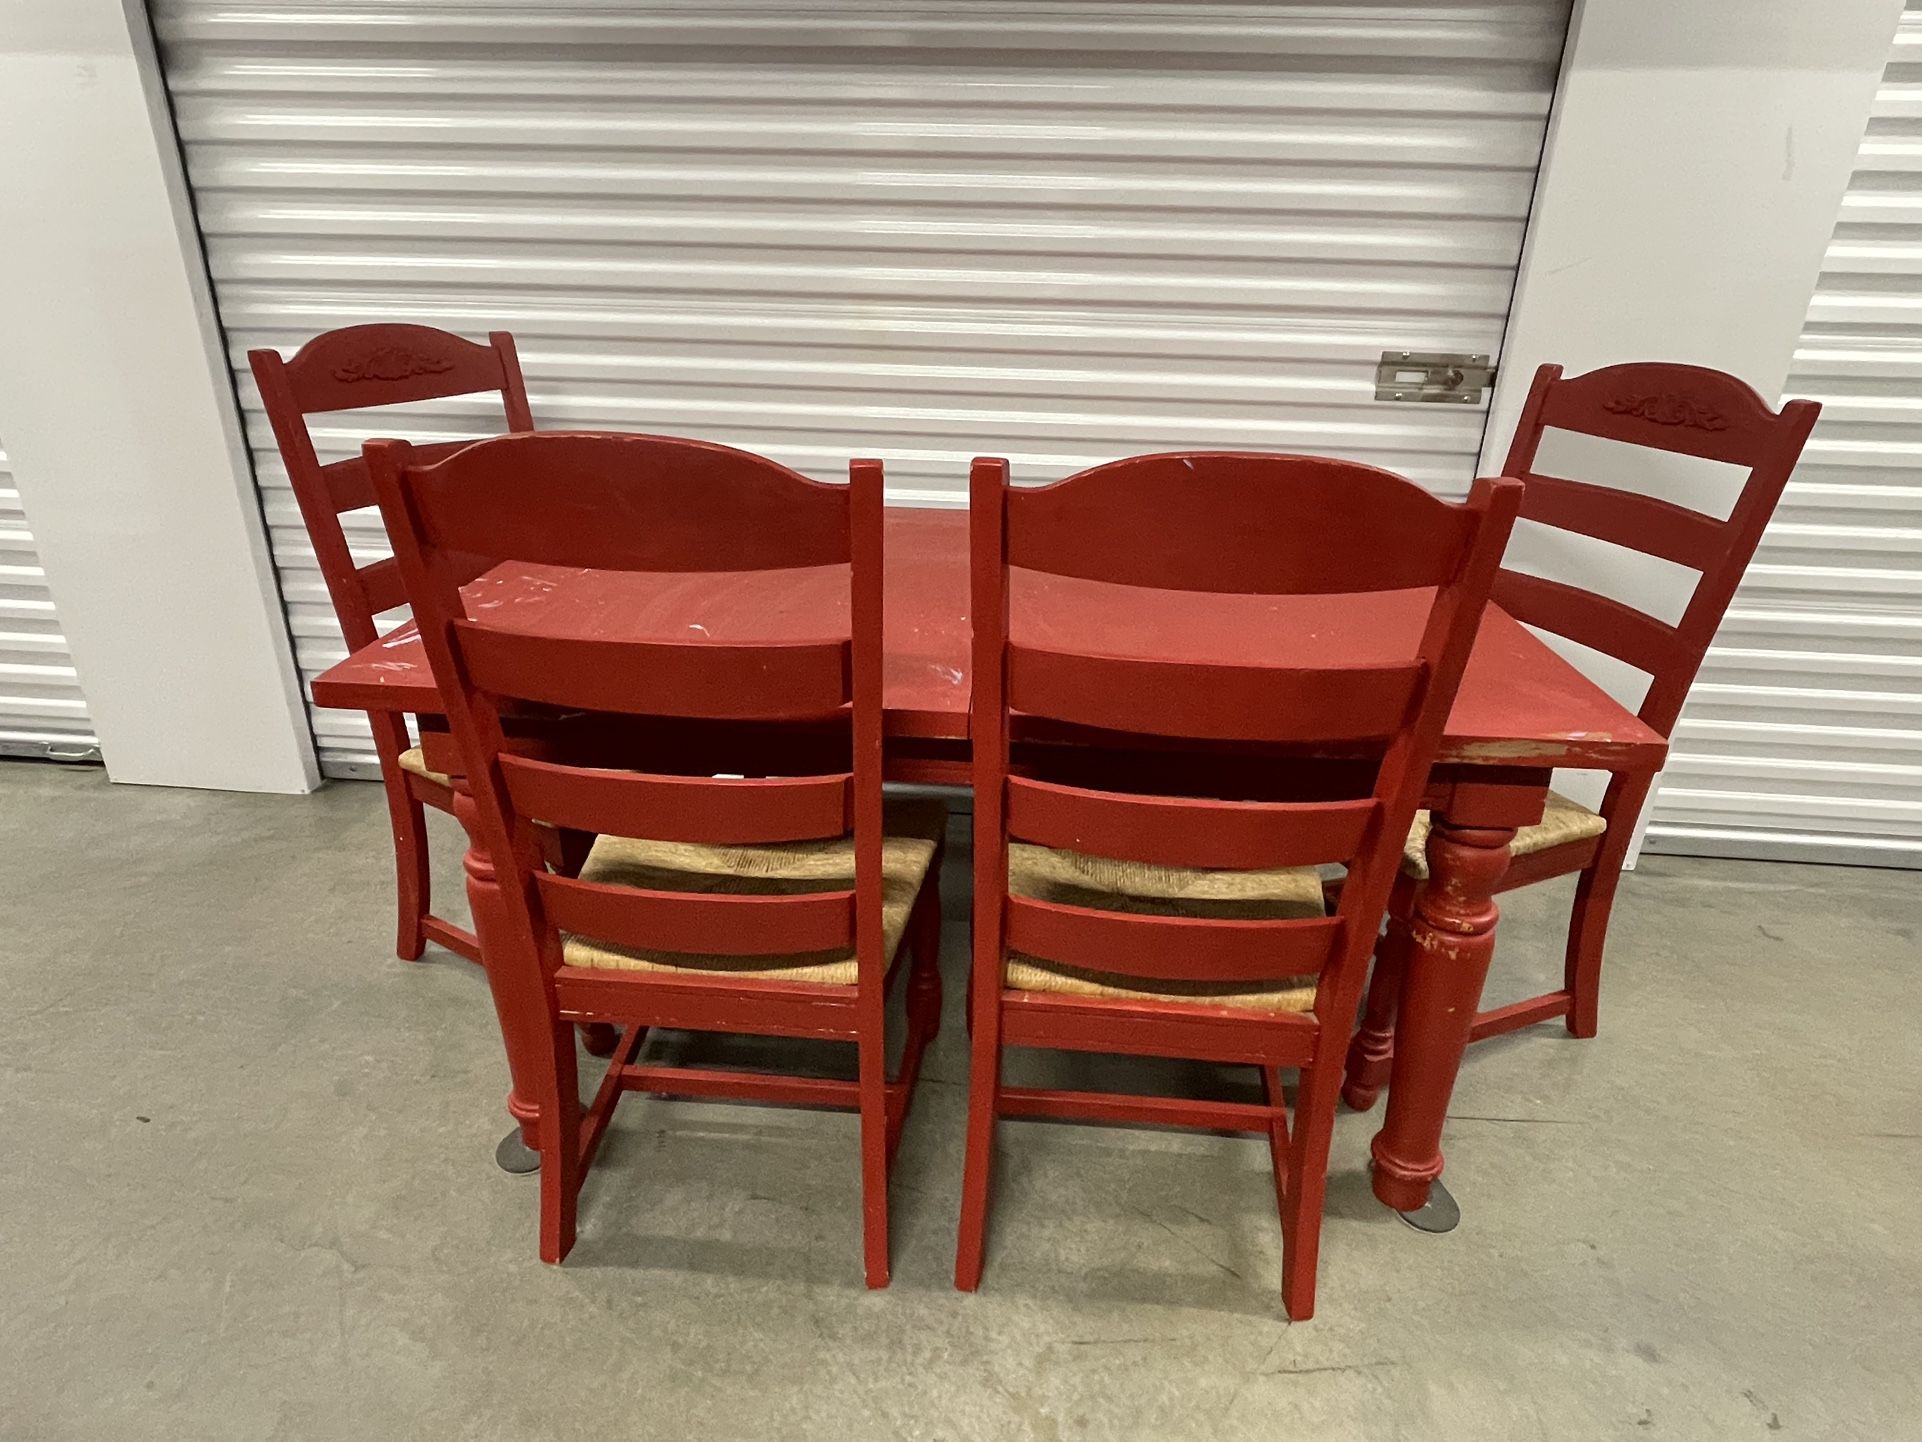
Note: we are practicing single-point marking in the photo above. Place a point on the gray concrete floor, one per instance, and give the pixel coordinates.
(248, 1191)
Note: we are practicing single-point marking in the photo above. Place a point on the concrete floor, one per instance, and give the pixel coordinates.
(248, 1192)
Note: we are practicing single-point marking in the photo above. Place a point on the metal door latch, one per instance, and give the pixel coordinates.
(1426, 375)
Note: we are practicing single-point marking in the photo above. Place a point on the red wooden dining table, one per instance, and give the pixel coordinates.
(1521, 711)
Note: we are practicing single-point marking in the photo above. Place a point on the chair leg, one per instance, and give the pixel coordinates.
(977, 1173)
(1305, 1188)
(1277, 1136)
(1373, 1047)
(874, 1142)
(1587, 935)
(560, 1134)
(413, 885)
(924, 980)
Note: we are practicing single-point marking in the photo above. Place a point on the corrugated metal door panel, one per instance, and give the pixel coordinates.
(42, 712)
(1803, 737)
(1058, 231)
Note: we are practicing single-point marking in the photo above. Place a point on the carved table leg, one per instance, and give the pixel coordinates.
(519, 1150)
(1452, 937)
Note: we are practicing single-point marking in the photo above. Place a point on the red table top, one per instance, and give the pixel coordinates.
(1520, 704)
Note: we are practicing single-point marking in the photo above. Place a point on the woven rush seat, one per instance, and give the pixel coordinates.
(914, 829)
(1562, 821)
(412, 759)
(1071, 879)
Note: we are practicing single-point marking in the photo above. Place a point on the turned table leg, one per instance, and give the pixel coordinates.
(1371, 1050)
(1451, 938)
(519, 1150)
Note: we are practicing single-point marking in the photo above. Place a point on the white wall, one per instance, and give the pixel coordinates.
(120, 418)
(1695, 164)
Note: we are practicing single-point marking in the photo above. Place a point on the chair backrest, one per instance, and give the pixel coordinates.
(1683, 409)
(1321, 531)
(625, 503)
(351, 369)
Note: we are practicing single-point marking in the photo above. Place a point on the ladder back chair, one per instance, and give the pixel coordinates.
(1686, 410)
(748, 880)
(350, 369)
(1186, 918)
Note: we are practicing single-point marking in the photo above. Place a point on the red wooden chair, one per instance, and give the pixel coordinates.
(381, 365)
(755, 883)
(1190, 922)
(1683, 409)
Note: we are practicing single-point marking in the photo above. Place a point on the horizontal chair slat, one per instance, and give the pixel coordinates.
(381, 585)
(707, 810)
(1208, 701)
(700, 922)
(664, 678)
(730, 1085)
(1594, 621)
(707, 1002)
(1171, 948)
(1253, 522)
(351, 488)
(1220, 1034)
(1113, 1107)
(1624, 518)
(1185, 831)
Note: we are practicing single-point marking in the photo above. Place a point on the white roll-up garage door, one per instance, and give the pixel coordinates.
(1803, 737)
(42, 712)
(1059, 231)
